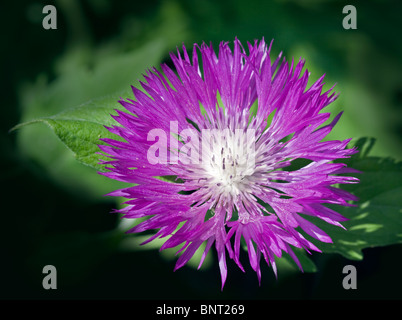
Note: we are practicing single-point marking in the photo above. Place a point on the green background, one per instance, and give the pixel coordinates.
(53, 209)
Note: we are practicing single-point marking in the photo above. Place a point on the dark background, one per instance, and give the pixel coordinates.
(45, 222)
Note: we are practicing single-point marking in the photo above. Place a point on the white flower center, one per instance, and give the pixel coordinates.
(229, 159)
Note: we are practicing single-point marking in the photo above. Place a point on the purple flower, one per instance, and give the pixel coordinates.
(208, 153)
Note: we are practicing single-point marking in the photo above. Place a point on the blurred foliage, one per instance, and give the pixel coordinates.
(376, 218)
(54, 211)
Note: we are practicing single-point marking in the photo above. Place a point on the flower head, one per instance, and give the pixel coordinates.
(209, 153)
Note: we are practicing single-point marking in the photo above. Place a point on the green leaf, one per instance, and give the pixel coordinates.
(76, 106)
(377, 218)
(81, 128)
